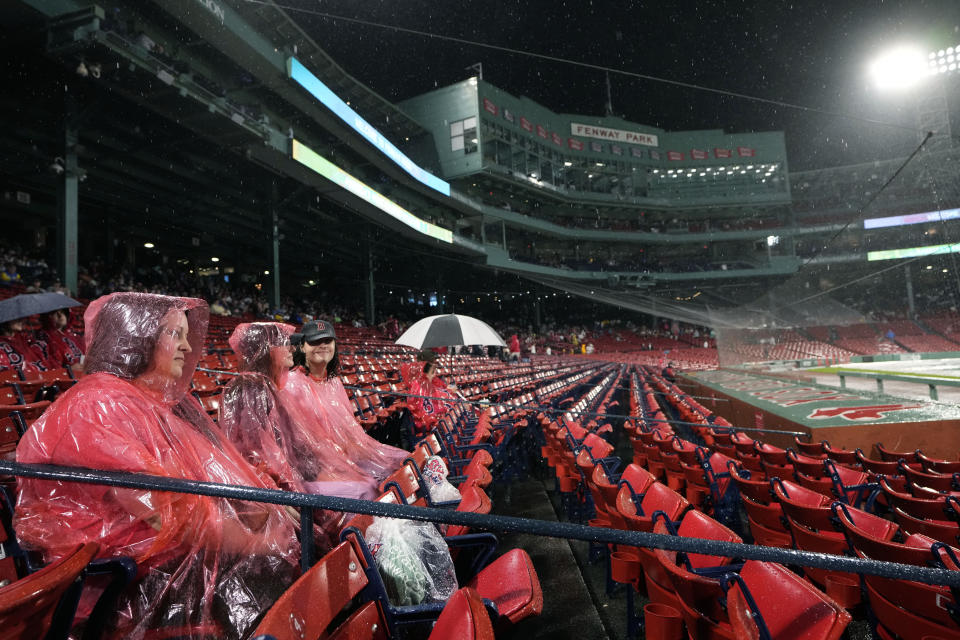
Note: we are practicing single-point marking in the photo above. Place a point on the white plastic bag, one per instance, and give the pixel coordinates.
(413, 560)
(435, 475)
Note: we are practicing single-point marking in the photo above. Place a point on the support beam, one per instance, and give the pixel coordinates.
(908, 276)
(68, 202)
(369, 301)
(441, 292)
(275, 235)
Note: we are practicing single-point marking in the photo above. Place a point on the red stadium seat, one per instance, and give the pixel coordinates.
(28, 605)
(789, 608)
(463, 618)
(311, 604)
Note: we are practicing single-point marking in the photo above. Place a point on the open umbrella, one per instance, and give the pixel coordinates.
(449, 330)
(29, 304)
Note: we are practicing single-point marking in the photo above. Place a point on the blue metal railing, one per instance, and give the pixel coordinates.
(307, 503)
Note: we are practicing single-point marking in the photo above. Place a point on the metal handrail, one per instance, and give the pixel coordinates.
(566, 530)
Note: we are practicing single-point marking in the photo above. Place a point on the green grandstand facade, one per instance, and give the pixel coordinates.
(480, 129)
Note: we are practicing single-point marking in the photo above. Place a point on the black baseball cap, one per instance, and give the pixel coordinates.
(314, 330)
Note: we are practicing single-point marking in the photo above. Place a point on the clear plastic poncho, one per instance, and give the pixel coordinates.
(272, 430)
(329, 412)
(206, 566)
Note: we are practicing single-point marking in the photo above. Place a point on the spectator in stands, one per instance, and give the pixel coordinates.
(514, 348)
(205, 565)
(274, 433)
(61, 346)
(218, 308)
(18, 352)
(323, 397)
(427, 404)
(9, 274)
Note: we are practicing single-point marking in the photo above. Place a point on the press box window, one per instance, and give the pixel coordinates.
(463, 135)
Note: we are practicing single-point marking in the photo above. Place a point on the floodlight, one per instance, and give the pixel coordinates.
(899, 68)
(148, 245)
(214, 259)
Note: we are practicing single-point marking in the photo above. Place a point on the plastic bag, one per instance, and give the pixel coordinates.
(413, 560)
(435, 474)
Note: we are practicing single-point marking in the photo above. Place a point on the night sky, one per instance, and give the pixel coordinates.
(810, 53)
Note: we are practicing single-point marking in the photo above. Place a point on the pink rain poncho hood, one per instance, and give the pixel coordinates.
(330, 415)
(206, 566)
(123, 333)
(255, 342)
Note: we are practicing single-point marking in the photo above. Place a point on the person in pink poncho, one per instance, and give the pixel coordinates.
(207, 567)
(318, 391)
(274, 432)
(427, 391)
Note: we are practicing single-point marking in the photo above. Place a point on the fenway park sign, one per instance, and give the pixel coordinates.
(614, 135)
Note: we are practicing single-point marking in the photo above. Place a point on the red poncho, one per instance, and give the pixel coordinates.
(276, 432)
(329, 413)
(426, 411)
(204, 563)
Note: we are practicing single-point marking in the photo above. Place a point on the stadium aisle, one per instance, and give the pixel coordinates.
(569, 612)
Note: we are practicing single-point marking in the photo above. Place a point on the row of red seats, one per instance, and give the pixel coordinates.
(636, 500)
(816, 510)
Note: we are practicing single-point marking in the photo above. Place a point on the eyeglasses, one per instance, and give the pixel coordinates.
(177, 334)
(314, 343)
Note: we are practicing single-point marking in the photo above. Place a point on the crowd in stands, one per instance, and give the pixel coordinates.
(632, 265)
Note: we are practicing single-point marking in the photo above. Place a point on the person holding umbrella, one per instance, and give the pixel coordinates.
(18, 349)
(18, 352)
(61, 346)
(427, 388)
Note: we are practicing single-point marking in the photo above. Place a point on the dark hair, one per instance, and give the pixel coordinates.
(122, 353)
(429, 365)
(333, 367)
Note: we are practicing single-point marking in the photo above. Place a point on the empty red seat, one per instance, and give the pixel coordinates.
(512, 584)
(463, 618)
(310, 605)
(28, 605)
(789, 607)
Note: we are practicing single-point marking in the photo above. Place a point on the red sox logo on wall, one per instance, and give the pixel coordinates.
(801, 395)
(872, 412)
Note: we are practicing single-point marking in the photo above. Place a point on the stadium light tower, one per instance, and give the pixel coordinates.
(907, 67)
(899, 68)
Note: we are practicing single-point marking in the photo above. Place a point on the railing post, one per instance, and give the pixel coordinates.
(307, 550)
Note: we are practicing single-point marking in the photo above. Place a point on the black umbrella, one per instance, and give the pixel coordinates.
(29, 304)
